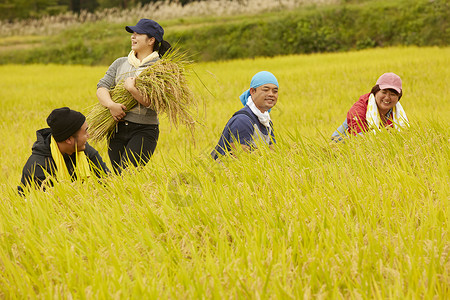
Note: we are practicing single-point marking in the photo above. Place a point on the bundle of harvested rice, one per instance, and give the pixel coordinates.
(164, 88)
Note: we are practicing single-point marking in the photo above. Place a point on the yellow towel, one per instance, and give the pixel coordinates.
(135, 62)
(62, 173)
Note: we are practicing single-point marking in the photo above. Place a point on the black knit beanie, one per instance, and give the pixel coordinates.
(64, 122)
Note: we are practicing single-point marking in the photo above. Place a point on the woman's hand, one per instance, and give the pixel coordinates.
(130, 84)
(117, 110)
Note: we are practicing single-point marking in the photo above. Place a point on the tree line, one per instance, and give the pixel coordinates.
(23, 9)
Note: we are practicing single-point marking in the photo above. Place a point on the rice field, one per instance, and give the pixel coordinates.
(366, 219)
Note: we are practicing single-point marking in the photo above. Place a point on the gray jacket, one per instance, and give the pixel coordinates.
(119, 70)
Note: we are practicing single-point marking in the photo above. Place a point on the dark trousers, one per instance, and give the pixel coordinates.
(132, 143)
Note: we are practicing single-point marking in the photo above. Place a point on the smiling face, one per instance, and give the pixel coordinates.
(386, 99)
(141, 43)
(265, 96)
(81, 137)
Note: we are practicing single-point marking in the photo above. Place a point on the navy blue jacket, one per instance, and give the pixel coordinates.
(242, 128)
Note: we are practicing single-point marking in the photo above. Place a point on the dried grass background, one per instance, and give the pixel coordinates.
(158, 10)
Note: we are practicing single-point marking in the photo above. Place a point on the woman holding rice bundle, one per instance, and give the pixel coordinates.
(378, 109)
(137, 131)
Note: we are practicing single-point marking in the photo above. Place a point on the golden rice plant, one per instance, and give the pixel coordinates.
(165, 89)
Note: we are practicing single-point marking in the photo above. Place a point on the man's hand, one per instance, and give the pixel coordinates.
(242, 147)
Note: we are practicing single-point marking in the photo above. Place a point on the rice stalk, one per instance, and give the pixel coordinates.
(164, 88)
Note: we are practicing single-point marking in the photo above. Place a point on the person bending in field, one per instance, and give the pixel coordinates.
(61, 152)
(252, 123)
(378, 109)
(137, 132)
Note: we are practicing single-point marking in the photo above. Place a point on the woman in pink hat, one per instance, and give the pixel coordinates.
(137, 132)
(378, 109)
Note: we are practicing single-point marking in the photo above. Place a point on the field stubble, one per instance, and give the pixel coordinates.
(364, 219)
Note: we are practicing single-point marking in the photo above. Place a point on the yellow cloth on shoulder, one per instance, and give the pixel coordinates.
(81, 163)
(373, 118)
(135, 62)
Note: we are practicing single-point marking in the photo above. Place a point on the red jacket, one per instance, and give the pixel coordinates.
(356, 116)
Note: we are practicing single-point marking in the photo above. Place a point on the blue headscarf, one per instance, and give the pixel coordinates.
(259, 79)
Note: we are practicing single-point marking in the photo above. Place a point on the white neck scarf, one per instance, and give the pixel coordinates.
(264, 118)
(135, 62)
(373, 118)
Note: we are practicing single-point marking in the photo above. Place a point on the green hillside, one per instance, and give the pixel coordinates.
(307, 29)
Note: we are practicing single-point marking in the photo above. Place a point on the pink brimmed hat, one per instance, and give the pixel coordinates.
(390, 81)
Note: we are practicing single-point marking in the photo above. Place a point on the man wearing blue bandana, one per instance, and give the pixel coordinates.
(251, 125)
